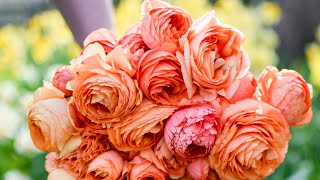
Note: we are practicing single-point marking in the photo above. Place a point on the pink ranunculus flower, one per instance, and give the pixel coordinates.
(105, 37)
(103, 88)
(140, 168)
(106, 166)
(289, 92)
(211, 56)
(163, 24)
(61, 77)
(241, 88)
(160, 78)
(60, 174)
(191, 132)
(199, 169)
(163, 158)
(142, 128)
(49, 122)
(253, 142)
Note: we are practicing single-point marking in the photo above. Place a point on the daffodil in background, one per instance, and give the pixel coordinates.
(313, 58)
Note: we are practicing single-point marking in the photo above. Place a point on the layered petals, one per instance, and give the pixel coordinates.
(105, 37)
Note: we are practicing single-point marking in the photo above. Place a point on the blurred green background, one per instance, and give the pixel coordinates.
(34, 40)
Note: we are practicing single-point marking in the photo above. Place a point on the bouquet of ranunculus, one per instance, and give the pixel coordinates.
(170, 99)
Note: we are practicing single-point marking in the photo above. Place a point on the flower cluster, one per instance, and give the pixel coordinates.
(172, 98)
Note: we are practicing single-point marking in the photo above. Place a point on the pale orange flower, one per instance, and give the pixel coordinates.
(105, 37)
(60, 174)
(61, 77)
(289, 92)
(199, 169)
(253, 142)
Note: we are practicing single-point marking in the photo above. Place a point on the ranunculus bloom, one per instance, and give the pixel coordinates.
(211, 56)
(47, 91)
(160, 78)
(163, 158)
(163, 24)
(103, 88)
(105, 166)
(253, 142)
(289, 92)
(142, 128)
(191, 132)
(241, 88)
(199, 169)
(50, 124)
(93, 143)
(105, 37)
(61, 78)
(60, 174)
(140, 168)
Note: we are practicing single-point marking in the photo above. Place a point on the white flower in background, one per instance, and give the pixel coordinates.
(23, 142)
(10, 121)
(50, 72)
(8, 91)
(16, 175)
(30, 74)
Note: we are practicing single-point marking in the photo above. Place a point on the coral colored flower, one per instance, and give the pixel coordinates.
(47, 91)
(60, 174)
(105, 166)
(211, 56)
(103, 88)
(163, 158)
(160, 78)
(163, 24)
(289, 92)
(191, 132)
(253, 142)
(105, 37)
(61, 78)
(50, 124)
(199, 169)
(241, 88)
(140, 168)
(142, 128)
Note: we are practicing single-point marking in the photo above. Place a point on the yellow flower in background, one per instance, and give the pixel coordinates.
(313, 56)
(12, 51)
(271, 12)
(191, 7)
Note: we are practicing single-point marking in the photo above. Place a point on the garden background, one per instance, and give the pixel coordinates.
(35, 40)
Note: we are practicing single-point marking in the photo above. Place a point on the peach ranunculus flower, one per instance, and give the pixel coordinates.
(105, 37)
(163, 158)
(163, 24)
(49, 122)
(211, 56)
(61, 77)
(253, 142)
(160, 78)
(60, 174)
(191, 132)
(142, 128)
(140, 168)
(93, 143)
(199, 169)
(51, 163)
(103, 88)
(105, 166)
(289, 92)
(241, 88)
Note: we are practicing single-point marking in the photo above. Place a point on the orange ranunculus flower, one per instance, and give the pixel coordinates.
(163, 24)
(103, 88)
(289, 92)
(142, 128)
(253, 142)
(106, 166)
(211, 56)
(191, 132)
(105, 37)
(60, 174)
(61, 77)
(199, 169)
(140, 168)
(49, 122)
(163, 158)
(160, 78)
(241, 88)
